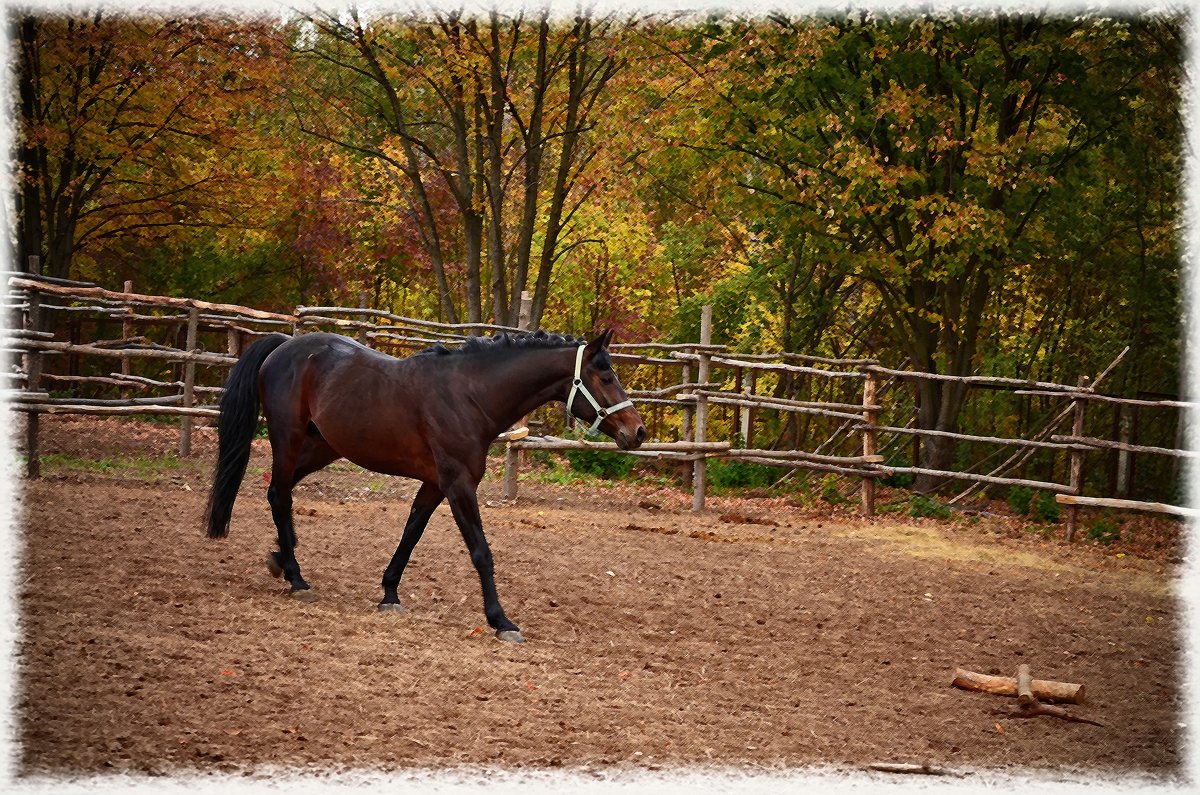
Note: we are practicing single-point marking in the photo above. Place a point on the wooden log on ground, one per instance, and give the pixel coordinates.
(1066, 692)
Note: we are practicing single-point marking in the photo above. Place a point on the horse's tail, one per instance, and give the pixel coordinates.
(236, 425)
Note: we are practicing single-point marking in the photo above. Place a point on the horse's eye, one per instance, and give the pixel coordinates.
(607, 380)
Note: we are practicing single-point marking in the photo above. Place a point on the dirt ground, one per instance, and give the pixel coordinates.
(756, 634)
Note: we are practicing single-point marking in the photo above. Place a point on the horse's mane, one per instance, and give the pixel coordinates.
(505, 341)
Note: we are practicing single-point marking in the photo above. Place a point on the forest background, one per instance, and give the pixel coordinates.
(955, 193)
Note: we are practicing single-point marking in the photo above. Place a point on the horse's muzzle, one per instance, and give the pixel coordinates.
(631, 440)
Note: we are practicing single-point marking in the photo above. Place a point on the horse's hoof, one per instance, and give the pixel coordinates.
(304, 595)
(392, 607)
(273, 565)
(510, 635)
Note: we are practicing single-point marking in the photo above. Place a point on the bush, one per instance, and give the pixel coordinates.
(740, 475)
(829, 490)
(1046, 508)
(900, 480)
(601, 463)
(1104, 532)
(921, 506)
(1019, 500)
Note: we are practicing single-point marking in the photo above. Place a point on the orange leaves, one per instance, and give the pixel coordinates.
(133, 115)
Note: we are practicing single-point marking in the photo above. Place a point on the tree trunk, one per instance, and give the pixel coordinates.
(494, 106)
(29, 217)
(531, 186)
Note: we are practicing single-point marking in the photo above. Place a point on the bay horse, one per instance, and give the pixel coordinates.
(430, 416)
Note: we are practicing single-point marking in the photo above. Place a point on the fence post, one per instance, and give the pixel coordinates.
(1124, 457)
(747, 429)
(1076, 463)
(189, 381)
(700, 465)
(33, 376)
(512, 456)
(363, 303)
(869, 442)
(126, 333)
(685, 430)
(916, 439)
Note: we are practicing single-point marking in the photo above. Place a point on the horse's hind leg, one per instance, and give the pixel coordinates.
(283, 563)
(292, 457)
(429, 496)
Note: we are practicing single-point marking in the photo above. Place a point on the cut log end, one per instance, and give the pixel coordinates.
(1025, 686)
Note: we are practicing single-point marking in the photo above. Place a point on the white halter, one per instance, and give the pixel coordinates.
(577, 386)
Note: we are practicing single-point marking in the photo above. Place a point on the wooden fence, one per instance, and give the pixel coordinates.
(689, 394)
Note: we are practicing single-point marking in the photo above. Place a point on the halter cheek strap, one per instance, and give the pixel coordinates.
(578, 387)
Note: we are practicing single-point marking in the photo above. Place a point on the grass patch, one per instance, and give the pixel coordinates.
(141, 467)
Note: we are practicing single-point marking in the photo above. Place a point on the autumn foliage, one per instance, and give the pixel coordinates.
(961, 193)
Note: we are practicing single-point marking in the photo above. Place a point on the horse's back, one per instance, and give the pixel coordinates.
(321, 348)
(363, 403)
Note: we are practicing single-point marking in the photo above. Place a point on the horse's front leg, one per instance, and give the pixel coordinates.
(464, 504)
(429, 496)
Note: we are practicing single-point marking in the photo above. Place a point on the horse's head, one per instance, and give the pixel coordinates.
(597, 397)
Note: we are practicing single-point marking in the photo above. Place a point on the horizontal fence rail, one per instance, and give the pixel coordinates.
(679, 384)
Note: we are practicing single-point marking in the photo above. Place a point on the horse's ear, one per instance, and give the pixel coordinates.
(598, 343)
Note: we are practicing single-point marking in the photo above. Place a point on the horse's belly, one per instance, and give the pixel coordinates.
(373, 448)
(405, 466)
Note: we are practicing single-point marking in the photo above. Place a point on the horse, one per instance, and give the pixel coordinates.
(430, 417)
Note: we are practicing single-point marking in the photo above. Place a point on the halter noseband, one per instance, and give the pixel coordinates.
(577, 386)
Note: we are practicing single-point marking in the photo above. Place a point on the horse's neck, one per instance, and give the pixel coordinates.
(530, 379)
